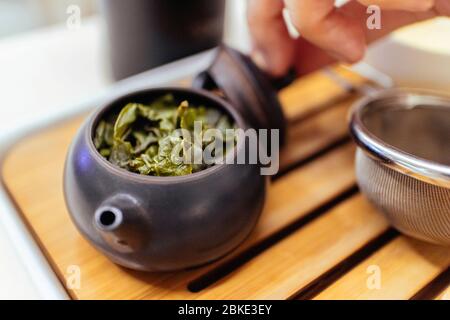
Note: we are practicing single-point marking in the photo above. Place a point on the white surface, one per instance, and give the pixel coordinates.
(40, 72)
(44, 70)
(432, 36)
(416, 56)
(15, 283)
(236, 31)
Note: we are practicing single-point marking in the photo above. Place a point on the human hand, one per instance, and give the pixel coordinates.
(327, 33)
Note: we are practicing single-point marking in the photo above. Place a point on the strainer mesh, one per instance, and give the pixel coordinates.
(416, 208)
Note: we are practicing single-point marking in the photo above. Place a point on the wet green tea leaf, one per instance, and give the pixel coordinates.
(144, 138)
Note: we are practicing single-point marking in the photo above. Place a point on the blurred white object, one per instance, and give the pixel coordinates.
(416, 56)
(41, 72)
(14, 276)
(18, 16)
(236, 33)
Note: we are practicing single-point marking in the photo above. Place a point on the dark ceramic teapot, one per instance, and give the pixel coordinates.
(171, 223)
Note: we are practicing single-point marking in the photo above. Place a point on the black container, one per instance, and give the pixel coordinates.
(144, 34)
(170, 223)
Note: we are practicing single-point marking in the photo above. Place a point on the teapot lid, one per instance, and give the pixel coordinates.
(246, 87)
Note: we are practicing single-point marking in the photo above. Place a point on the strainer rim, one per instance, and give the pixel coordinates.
(401, 161)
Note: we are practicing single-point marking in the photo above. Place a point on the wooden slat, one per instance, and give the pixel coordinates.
(310, 93)
(406, 265)
(325, 129)
(280, 271)
(444, 295)
(34, 179)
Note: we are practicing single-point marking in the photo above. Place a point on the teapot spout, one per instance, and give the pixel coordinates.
(117, 221)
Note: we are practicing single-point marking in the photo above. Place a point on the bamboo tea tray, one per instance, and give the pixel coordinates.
(318, 237)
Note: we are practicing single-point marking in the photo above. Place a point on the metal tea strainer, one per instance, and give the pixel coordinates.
(403, 158)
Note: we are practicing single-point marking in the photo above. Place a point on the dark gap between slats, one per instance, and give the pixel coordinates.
(215, 275)
(328, 278)
(435, 287)
(332, 146)
(228, 267)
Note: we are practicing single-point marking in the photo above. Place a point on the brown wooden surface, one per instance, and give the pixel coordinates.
(315, 239)
(405, 265)
(444, 294)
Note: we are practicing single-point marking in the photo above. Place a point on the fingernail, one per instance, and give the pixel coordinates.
(260, 60)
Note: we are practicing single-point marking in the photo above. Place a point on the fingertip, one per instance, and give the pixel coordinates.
(260, 60)
(275, 66)
(351, 52)
(356, 55)
(279, 71)
(355, 46)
